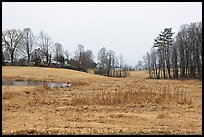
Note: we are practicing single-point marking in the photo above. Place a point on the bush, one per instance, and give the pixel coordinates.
(21, 62)
(74, 68)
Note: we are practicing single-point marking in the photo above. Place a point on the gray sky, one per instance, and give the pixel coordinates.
(127, 28)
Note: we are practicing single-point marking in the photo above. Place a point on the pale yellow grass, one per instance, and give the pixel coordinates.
(102, 105)
(47, 74)
(139, 74)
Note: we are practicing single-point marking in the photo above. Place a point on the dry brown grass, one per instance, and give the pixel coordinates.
(45, 74)
(99, 105)
(123, 97)
(138, 74)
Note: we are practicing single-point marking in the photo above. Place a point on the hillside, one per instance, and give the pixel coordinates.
(47, 74)
(99, 105)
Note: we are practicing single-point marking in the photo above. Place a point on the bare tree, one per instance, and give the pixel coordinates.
(12, 39)
(109, 63)
(67, 55)
(2, 53)
(153, 62)
(78, 55)
(189, 43)
(138, 66)
(174, 50)
(83, 58)
(58, 51)
(121, 64)
(87, 59)
(113, 63)
(45, 43)
(147, 62)
(102, 60)
(116, 66)
(28, 42)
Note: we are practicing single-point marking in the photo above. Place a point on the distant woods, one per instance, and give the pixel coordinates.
(111, 65)
(172, 56)
(23, 48)
(178, 57)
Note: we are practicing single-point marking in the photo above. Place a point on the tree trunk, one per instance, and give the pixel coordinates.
(164, 72)
(28, 58)
(169, 70)
(12, 58)
(156, 69)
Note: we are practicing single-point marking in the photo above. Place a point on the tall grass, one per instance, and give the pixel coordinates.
(123, 97)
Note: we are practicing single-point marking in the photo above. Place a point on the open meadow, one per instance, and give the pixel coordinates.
(96, 104)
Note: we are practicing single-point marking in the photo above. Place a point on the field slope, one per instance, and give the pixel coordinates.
(99, 105)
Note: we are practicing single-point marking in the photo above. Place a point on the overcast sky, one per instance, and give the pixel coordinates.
(126, 28)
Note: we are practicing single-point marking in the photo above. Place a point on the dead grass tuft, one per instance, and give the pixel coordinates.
(26, 132)
(7, 95)
(162, 115)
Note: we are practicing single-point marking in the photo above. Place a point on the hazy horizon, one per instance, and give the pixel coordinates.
(128, 28)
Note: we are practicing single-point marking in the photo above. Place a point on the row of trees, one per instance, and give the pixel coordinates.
(18, 45)
(82, 59)
(178, 57)
(111, 65)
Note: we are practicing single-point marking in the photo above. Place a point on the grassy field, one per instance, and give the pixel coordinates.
(99, 105)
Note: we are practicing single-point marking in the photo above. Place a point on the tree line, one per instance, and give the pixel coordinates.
(178, 57)
(18, 45)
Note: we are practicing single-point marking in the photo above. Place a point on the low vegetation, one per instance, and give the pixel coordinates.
(99, 105)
